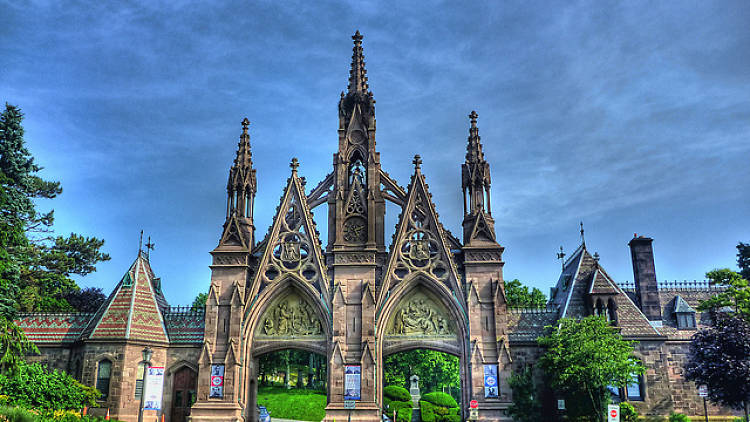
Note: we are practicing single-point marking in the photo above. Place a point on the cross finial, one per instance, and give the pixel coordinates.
(417, 162)
(561, 257)
(473, 116)
(294, 164)
(245, 124)
(149, 247)
(583, 240)
(596, 256)
(140, 243)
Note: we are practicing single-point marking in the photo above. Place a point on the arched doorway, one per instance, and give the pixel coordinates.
(183, 393)
(422, 314)
(292, 384)
(288, 315)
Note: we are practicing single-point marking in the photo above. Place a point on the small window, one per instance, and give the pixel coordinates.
(634, 388)
(139, 380)
(685, 320)
(103, 373)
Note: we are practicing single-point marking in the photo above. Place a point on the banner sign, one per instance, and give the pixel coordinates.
(352, 382)
(490, 381)
(703, 390)
(154, 388)
(217, 381)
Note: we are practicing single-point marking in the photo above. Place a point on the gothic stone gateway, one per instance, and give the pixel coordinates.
(356, 301)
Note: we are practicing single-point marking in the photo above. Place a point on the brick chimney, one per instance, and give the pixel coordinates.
(644, 273)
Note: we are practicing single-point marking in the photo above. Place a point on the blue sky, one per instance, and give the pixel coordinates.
(631, 116)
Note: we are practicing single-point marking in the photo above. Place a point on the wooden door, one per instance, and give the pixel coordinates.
(183, 393)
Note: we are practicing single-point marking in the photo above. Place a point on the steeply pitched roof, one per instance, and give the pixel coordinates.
(53, 328)
(582, 275)
(681, 306)
(185, 327)
(132, 310)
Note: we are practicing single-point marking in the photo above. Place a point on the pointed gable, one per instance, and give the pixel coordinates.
(419, 244)
(132, 311)
(292, 246)
(601, 284)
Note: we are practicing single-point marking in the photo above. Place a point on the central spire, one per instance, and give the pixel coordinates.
(358, 73)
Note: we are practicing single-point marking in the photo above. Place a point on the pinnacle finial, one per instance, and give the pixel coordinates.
(294, 164)
(561, 257)
(357, 73)
(417, 162)
(473, 116)
(245, 124)
(583, 240)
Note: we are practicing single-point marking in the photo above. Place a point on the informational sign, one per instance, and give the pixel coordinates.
(561, 404)
(217, 381)
(352, 382)
(154, 388)
(613, 413)
(473, 414)
(350, 404)
(703, 390)
(490, 381)
(473, 404)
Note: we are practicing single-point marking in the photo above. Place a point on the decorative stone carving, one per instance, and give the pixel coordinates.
(421, 316)
(229, 260)
(354, 258)
(474, 256)
(355, 230)
(290, 316)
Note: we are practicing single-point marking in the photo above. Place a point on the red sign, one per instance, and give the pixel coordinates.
(473, 404)
(613, 413)
(217, 381)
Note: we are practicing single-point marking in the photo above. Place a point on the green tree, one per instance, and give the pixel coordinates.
(14, 346)
(200, 301)
(434, 369)
(736, 295)
(526, 406)
(743, 259)
(585, 356)
(34, 386)
(35, 267)
(520, 296)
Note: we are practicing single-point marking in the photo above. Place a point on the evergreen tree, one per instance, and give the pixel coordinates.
(35, 267)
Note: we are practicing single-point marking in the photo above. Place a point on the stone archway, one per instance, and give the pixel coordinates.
(289, 314)
(422, 313)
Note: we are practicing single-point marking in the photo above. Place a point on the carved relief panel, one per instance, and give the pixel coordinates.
(421, 315)
(290, 316)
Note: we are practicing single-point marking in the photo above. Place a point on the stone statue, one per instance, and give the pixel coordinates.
(419, 317)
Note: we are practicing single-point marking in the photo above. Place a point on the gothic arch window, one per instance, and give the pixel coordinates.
(103, 375)
(612, 311)
(599, 308)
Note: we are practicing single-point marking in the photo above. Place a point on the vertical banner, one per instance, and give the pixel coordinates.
(490, 381)
(352, 382)
(154, 388)
(217, 381)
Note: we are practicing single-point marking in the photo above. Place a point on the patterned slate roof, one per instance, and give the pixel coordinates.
(681, 306)
(132, 310)
(691, 297)
(53, 328)
(583, 275)
(526, 325)
(185, 326)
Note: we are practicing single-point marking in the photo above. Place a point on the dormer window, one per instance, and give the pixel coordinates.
(684, 314)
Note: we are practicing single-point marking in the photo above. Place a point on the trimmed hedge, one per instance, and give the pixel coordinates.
(391, 405)
(433, 413)
(404, 414)
(441, 399)
(397, 393)
(678, 417)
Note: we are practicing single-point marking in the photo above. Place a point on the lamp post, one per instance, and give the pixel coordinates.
(146, 355)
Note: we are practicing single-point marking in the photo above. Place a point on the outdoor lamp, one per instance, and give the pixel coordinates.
(147, 352)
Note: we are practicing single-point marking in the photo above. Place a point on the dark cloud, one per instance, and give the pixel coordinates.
(631, 116)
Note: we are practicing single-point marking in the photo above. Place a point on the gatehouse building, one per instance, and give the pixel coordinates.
(361, 297)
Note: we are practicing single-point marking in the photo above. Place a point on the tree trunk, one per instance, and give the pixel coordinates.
(747, 417)
(287, 374)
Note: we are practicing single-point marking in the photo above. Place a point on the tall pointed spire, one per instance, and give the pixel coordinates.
(475, 182)
(241, 189)
(358, 73)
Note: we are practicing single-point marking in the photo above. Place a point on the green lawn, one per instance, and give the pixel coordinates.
(305, 405)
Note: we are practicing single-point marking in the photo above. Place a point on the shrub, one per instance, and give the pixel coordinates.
(391, 405)
(678, 417)
(34, 386)
(628, 412)
(427, 411)
(404, 414)
(396, 392)
(440, 399)
(16, 414)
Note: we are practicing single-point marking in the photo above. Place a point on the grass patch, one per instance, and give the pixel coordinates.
(305, 405)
